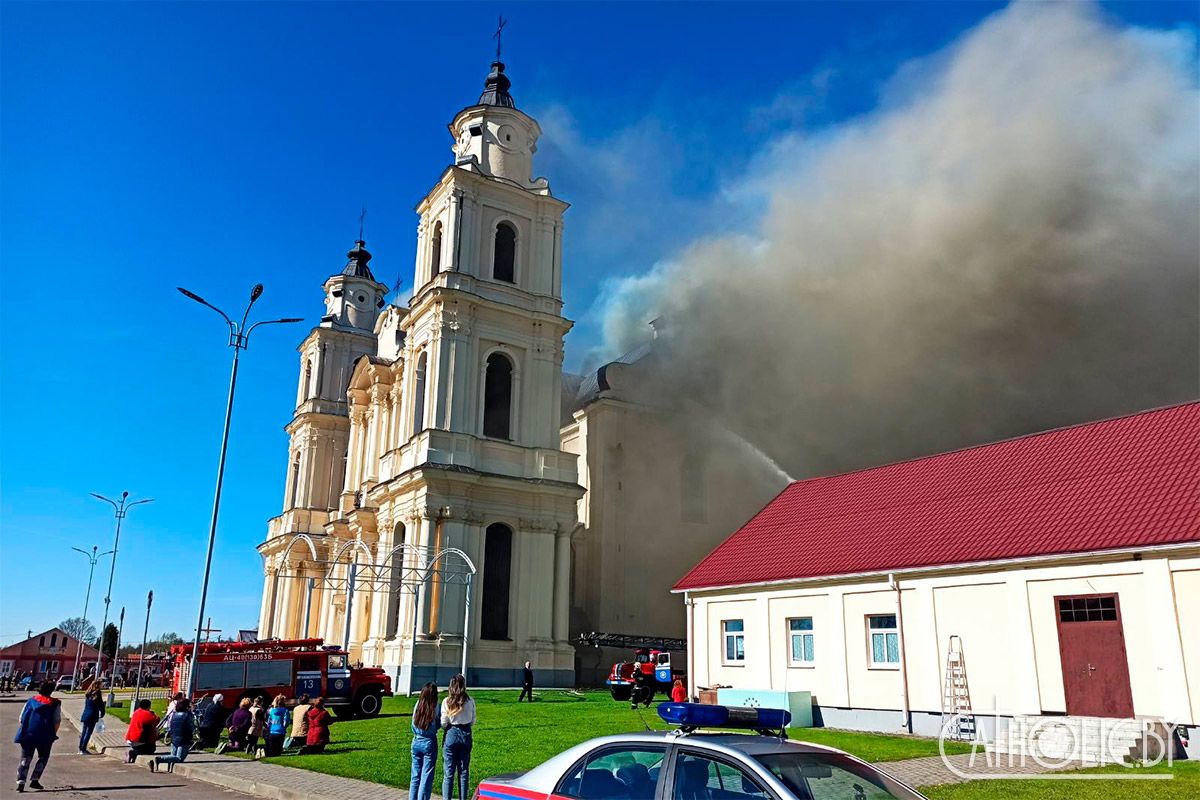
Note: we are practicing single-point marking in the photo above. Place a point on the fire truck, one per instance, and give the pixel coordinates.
(290, 667)
(650, 671)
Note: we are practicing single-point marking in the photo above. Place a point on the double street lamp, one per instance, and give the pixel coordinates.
(92, 558)
(121, 508)
(239, 340)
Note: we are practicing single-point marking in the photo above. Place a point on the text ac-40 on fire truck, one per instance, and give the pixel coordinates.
(290, 667)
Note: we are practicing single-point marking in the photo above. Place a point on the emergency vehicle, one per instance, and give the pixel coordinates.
(290, 667)
(648, 673)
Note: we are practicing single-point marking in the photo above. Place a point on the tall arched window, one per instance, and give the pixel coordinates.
(395, 582)
(435, 258)
(505, 254)
(497, 577)
(419, 395)
(497, 396)
(308, 392)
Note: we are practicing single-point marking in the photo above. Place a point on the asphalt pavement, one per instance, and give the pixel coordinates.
(95, 777)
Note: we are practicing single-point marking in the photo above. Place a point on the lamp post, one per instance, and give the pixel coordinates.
(137, 694)
(112, 697)
(239, 340)
(120, 509)
(92, 558)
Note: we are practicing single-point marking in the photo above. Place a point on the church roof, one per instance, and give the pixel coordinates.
(593, 383)
(495, 88)
(1123, 483)
(359, 257)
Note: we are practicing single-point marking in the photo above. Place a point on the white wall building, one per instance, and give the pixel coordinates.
(1068, 563)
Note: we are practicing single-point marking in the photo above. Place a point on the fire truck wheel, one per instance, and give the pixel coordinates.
(368, 704)
(621, 693)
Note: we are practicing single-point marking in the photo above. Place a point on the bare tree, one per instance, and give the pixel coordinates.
(78, 628)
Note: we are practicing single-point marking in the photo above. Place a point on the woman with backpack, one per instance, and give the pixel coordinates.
(424, 744)
(458, 717)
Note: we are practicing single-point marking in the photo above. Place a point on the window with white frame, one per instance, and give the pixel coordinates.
(884, 639)
(800, 639)
(733, 630)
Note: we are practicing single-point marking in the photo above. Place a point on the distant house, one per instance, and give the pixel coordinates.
(1063, 565)
(47, 655)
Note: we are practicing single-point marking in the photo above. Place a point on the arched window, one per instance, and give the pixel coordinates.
(419, 395)
(308, 392)
(395, 582)
(497, 577)
(505, 255)
(435, 259)
(497, 396)
(295, 480)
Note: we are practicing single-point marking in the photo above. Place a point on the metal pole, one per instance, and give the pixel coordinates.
(137, 695)
(466, 626)
(412, 659)
(349, 605)
(112, 570)
(307, 607)
(92, 558)
(212, 527)
(112, 698)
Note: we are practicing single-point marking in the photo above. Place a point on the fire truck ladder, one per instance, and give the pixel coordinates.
(958, 721)
(629, 641)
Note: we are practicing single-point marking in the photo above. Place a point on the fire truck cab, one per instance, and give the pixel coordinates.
(290, 667)
(650, 671)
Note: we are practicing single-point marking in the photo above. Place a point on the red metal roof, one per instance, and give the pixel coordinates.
(1127, 482)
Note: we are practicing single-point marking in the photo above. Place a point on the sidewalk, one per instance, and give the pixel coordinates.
(242, 774)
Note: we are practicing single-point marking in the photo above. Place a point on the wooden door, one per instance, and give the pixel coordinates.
(1091, 643)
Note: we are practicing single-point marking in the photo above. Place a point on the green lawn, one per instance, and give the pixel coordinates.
(1185, 784)
(512, 737)
(123, 711)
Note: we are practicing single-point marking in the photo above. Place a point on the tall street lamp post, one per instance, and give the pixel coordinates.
(239, 340)
(112, 697)
(137, 694)
(121, 509)
(92, 558)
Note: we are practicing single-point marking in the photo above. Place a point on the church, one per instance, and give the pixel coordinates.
(455, 501)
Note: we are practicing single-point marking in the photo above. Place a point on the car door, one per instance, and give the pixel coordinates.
(697, 774)
(632, 771)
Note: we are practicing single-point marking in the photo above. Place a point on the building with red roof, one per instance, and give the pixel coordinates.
(1060, 565)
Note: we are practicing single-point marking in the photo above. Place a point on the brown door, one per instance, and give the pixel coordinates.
(1091, 642)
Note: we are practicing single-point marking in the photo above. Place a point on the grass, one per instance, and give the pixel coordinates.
(123, 711)
(1184, 784)
(513, 737)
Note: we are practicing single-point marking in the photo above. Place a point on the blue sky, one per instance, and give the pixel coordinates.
(213, 146)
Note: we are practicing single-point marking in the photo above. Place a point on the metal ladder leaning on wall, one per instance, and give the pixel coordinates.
(958, 722)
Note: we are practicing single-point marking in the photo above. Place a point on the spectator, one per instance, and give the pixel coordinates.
(36, 732)
(679, 692)
(319, 721)
(424, 744)
(279, 719)
(258, 716)
(181, 730)
(93, 712)
(526, 684)
(458, 718)
(238, 727)
(299, 723)
(143, 732)
(212, 720)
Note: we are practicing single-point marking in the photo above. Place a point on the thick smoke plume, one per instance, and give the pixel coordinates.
(1012, 243)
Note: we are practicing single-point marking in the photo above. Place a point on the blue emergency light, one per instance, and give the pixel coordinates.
(690, 716)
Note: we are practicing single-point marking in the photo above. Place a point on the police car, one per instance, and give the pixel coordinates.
(690, 764)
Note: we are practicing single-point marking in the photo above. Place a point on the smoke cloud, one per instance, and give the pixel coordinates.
(1011, 243)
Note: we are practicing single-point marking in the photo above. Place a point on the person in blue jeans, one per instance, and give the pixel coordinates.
(36, 732)
(93, 712)
(458, 717)
(181, 730)
(424, 743)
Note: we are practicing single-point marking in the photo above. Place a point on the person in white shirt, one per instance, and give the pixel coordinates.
(458, 717)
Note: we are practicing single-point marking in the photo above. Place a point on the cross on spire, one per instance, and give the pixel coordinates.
(500, 23)
(362, 216)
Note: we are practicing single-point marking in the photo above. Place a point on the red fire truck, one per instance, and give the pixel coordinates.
(290, 667)
(648, 673)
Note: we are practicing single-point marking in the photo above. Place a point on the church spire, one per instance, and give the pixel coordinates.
(495, 88)
(357, 265)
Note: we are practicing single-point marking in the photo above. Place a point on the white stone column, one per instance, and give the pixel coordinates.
(562, 584)
(284, 611)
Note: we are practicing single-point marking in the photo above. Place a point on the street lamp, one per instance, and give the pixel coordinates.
(239, 340)
(112, 697)
(121, 509)
(92, 558)
(137, 695)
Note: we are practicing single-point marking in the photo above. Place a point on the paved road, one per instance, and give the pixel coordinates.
(94, 777)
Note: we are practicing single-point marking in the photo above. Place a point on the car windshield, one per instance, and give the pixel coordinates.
(831, 776)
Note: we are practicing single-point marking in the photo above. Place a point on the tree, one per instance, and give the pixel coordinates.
(170, 637)
(78, 628)
(108, 645)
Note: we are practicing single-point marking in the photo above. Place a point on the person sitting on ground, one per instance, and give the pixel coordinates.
(279, 719)
(258, 716)
(36, 732)
(143, 732)
(238, 727)
(319, 721)
(299, 723)
(212, 720)
(182, 729)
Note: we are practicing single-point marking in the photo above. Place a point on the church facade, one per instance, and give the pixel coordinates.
(449, 489)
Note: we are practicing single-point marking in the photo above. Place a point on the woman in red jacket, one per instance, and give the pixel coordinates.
(679, 692)
(319, 721)
(142, 733)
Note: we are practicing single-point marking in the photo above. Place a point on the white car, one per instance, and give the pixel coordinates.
(691, 764)
(65, 683)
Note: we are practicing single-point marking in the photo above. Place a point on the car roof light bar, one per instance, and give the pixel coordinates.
(690, 716)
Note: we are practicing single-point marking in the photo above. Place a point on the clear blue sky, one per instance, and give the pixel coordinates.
(212, 146)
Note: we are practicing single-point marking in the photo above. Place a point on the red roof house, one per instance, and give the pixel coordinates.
(1126, 483)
